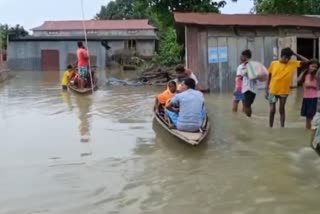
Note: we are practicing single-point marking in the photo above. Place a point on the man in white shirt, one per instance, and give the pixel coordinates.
(249, 87)
(192, 76)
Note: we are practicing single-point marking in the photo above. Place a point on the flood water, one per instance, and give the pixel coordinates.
(65, 153)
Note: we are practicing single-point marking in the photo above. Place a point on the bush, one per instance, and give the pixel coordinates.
(169, 50)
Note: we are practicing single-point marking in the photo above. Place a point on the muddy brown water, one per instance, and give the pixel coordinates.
(65, 153)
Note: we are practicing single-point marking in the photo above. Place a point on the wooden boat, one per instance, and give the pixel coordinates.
(83, 90)
(314, 143)
(192, 138)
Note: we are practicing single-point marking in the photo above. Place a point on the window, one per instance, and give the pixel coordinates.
(131, 44)
(52, 33)
(132, 31)
(92, 32)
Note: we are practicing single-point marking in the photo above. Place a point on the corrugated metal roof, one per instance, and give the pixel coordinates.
(246, 20)
(137, 24)
(77, 38)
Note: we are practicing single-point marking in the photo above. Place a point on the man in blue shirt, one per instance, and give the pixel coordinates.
(186, 109)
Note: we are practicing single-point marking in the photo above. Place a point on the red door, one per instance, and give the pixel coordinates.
(50, 60)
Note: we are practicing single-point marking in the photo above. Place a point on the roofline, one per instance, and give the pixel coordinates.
(81, 29)
(194, 22)
(237, 25)
(77, 38)
(90, 20)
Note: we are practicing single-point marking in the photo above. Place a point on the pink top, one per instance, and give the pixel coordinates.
(238, 84)
(83, 59)
(310, 87)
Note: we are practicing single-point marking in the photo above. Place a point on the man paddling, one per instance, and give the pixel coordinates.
(186, 109)
(83, 63)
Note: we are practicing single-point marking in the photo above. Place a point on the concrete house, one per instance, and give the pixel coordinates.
(53, 45)
(214, 42)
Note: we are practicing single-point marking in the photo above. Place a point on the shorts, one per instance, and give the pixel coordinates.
(64, 87)
(316, 121)
(309, 107)
(237, 96)
(274, 98)
(83, 72)
(173, 117)
(248, 98)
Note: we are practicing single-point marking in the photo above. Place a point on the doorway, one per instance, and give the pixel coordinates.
(308, 48)
(50, 60)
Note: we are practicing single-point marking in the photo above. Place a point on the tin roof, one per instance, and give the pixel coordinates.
(133, 24)
(77, 38)
(246, 20)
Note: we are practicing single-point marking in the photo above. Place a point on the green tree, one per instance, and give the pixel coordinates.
(169, 53)
(165, 8)
(291, 7)
(7, 31)
(160, 13)
(120, 9)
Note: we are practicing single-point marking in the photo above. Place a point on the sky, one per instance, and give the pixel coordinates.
(32, 13)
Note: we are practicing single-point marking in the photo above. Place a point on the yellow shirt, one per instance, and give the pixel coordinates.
(281, 76)
(66, 78)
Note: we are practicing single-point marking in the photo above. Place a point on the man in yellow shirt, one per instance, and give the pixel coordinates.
(280, 77)
(66, 77)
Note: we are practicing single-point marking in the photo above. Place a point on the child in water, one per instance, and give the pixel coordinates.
(165, 96)
(309, 80)
(237, 94)
(67, 77)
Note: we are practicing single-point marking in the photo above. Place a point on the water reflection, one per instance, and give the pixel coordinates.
(66, 97)
(84, 104)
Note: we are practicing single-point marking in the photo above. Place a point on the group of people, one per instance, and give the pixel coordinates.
(278, 86)
(72, 77)
(181, 103)
(79, 77)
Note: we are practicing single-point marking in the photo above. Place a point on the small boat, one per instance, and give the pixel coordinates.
(192, 138)
(83, 90)
(314, 144)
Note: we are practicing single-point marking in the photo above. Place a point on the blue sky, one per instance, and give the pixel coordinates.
(32, 13)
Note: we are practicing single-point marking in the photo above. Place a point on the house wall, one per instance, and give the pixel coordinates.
(26, 55)
(116, 46)
(145, 48)
(219, 75)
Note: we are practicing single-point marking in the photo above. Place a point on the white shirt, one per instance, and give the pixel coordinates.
(247, 84)
(192, 76)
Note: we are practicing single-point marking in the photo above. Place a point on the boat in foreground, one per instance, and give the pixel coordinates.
(192, 138)
(83, 90)
(314, 144)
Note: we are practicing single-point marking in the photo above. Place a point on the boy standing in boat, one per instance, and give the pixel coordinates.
(181, 75)
(279, 83)
(83, 63)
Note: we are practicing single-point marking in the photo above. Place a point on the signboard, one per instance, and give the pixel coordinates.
(218, 55)
(213, 55)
